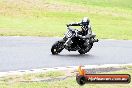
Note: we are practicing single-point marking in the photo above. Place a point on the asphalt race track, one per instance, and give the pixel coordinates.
(22, 53)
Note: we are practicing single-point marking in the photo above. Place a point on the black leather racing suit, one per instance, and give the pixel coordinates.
(85, 32)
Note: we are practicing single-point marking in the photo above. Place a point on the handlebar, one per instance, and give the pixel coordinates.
(67, 25)
(73, 25)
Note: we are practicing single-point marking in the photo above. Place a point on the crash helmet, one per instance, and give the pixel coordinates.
(85, 22)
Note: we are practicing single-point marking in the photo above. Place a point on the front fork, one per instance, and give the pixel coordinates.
(67, 42)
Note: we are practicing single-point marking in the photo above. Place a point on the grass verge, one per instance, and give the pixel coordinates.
(109, 19)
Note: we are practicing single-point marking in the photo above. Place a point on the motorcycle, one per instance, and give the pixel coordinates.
(72, 42)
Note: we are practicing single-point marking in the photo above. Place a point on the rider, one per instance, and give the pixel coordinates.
(84, 33)
(85, 28)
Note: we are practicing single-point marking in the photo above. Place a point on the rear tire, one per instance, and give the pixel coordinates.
(57, 47)
(83, 51)
(89, 47)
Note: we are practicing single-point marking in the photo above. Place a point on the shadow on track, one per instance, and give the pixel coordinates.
(73, 55)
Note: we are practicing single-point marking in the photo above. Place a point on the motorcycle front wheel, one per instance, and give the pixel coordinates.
(57, 47)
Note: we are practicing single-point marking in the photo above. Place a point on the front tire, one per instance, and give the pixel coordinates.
(57, 47)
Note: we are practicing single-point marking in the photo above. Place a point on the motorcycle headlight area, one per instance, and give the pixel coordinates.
(68, 34)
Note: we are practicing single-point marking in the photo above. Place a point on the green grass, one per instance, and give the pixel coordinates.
(13, 82)
(101, 3)
(31, 76)
(51, 74)
(109, 19)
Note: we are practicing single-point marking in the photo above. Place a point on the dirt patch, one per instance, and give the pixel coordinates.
(18, 7)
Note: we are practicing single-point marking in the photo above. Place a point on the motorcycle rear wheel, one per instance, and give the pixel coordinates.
(83, 51)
